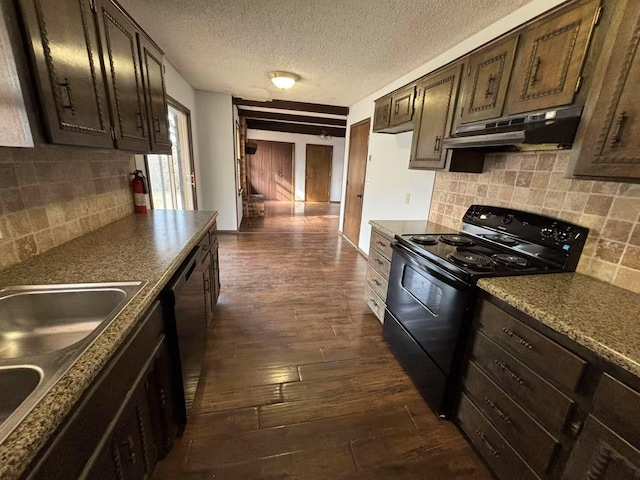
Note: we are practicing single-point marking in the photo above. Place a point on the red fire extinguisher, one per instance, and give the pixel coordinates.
(140, 190)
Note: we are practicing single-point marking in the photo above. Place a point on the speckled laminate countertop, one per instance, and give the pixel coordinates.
(147, 248)
(400, 227)
(594, 314)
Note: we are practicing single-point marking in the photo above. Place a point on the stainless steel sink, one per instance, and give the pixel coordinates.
(44, 329)
(37, 322)
(16, 384)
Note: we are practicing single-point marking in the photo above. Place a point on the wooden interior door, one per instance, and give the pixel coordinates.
(358, 151)
(318, 173)
(270, 170)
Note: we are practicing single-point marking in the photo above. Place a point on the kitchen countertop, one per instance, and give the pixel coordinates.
(594, 314)
(147, 248)
(399, 227)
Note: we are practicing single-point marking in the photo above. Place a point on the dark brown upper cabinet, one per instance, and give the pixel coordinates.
(394, 113)
(64, 48)
(382, 113)
(124, 78)
(550, 59)
(435, 104)
(485, 81)
(156, 96)
(402, 106)
(607, 143)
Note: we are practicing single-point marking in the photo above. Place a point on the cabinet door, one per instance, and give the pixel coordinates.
(156, 96)
(63, 43)
(608, 144)
(484, 85)
(122, 64)
(550, 60)
(434, 113)
(381, 114)
(402, 106)
(600, 454)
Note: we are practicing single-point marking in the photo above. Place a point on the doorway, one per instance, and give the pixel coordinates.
(172, 180)
(318, 173)
(270, 170)
(358, 151)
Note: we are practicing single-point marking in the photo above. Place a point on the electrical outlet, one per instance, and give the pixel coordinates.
(407, 198)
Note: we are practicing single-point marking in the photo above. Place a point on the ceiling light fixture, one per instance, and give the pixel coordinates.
(283, 80)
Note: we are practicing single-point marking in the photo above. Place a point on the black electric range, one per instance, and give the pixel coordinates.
(432, 293)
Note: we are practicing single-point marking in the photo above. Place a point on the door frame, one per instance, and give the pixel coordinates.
(194, 179)
(346, 188)
(306, 158)
(293, 167)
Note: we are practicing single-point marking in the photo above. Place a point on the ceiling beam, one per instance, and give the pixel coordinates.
(294, 128)
(286, 117)
(298, 106)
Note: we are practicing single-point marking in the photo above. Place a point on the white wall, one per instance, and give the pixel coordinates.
(388, 179)
(236, 166)
(301, 141)
(217, 186)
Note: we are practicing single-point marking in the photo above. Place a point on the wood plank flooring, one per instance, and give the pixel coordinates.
(298, 382)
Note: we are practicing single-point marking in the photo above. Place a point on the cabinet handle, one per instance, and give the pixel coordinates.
(378, 284)
(436, 144)
(132, 454)
(375, 304)
(493, 451)
(620, 122)
(378, 261)
(139, 120)
(382, 244)
(513, 376)
(534, 71)
(500, 413)
(575, 428)
(397, 107)
(520, 340)
(359, 195)
(490, 83)
(156, 125)
(68, 104)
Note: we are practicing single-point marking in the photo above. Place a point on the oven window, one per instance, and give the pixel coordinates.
(422, 289)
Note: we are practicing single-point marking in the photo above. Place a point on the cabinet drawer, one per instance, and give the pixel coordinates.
(618, 406)
(500, 456)
(381, 244)
(381, 264)
(533, 348)
(376, 304)
(545, 402)
(532, 441)
(377, 282)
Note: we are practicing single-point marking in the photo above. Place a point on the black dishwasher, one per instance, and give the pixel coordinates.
(185, 301)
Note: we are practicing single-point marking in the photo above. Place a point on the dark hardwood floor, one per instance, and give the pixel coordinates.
(298, 382)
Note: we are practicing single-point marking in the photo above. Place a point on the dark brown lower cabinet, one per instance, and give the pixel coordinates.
(126, 420)
(530, 417)
(601, 454)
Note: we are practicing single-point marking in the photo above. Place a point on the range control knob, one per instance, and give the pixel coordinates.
(507, 219)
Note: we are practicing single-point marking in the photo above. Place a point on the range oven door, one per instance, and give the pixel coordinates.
(426, 322)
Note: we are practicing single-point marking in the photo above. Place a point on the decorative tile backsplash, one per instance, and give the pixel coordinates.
(50, 195)
(535, 182)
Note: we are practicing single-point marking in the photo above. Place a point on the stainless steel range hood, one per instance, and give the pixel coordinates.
(556, 127)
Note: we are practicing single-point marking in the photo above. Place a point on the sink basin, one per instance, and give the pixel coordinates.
(44, 329)
(38, 322)
(16, 384)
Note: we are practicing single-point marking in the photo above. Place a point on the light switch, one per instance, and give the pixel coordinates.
(367, 181)
(407, 198)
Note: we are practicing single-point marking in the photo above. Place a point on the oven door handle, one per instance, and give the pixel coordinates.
(438, 273)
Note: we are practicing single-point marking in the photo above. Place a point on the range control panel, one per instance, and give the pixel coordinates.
(530, 227)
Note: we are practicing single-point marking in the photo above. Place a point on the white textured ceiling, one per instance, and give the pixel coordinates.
(343, 49)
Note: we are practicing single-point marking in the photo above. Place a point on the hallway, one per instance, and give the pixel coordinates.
(298, 383)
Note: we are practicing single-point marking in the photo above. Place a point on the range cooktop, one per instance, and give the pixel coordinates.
(496, 241)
